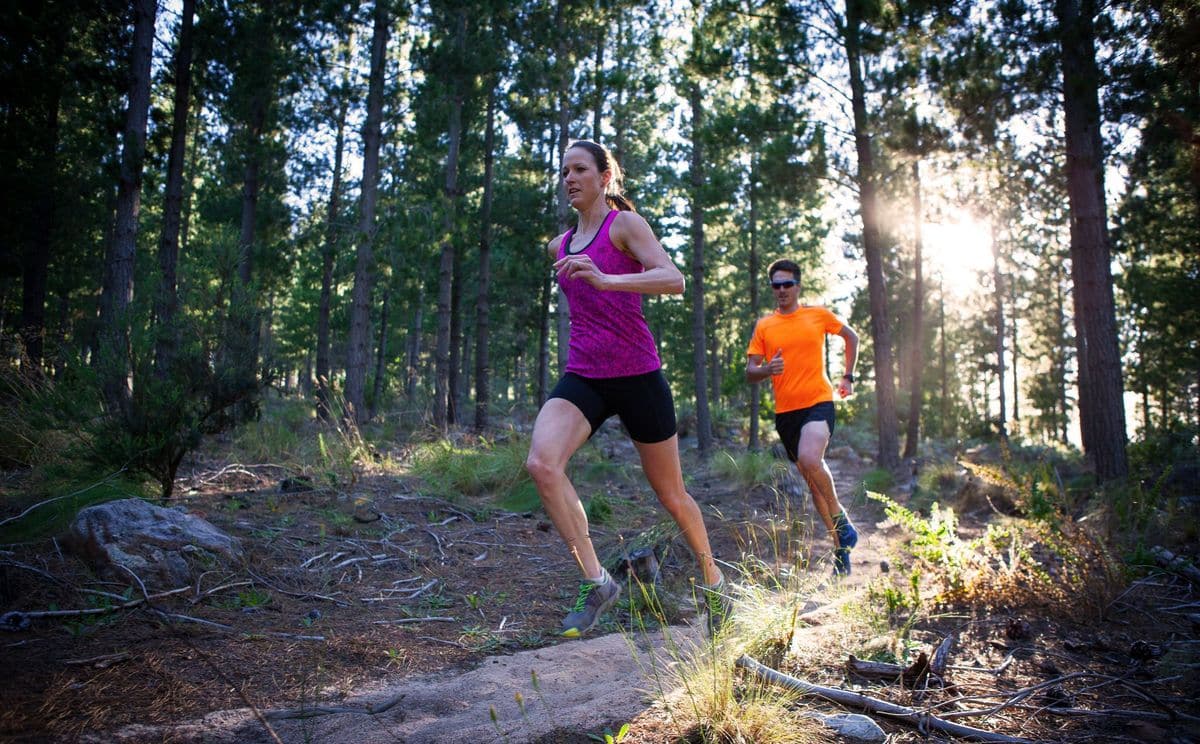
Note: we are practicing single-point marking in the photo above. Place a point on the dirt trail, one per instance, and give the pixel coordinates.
(584, 686)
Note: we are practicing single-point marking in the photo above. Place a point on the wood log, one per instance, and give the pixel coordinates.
(858, 701)
(942, 656)
(909, 677)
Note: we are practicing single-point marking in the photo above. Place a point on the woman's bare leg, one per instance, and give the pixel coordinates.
(660, 462)
(560, 430)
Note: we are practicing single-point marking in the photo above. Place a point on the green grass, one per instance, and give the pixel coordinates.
(483, 467)
(748, 469)
(62, 490)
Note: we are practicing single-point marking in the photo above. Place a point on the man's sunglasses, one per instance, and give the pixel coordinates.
(787, 284)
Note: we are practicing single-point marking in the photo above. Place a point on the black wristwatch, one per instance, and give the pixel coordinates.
(848, 378)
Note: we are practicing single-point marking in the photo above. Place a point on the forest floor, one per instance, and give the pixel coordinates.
(354, 597)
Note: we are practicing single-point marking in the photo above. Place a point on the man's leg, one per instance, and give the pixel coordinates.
(810, 459)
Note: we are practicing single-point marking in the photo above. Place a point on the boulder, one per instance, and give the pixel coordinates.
(154, 543)
(853, 726)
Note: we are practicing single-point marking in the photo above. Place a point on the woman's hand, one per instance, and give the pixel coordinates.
(581, 267)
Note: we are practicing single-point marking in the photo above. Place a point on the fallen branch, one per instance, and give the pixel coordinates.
(406, 620)
(35, 614)
(923, 721)
(882, 671)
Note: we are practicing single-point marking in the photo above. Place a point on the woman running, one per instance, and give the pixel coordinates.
(604, 266)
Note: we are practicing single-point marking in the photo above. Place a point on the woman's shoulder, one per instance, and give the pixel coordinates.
(554, 244)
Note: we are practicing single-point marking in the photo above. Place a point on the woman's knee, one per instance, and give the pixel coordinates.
(676, 501)
(541, 469)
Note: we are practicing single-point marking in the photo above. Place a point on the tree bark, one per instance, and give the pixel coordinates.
(913, 433)
(360, 310)
(380, 356)
(704, 440)
(117, 291)
(881, 333)
(755, 395)
(563, 309)
(1101, 396)
(167, 301)
(483, 297)
(36, 266)
(329, 254)
(414, 347)
(998, 293)
(442, 393)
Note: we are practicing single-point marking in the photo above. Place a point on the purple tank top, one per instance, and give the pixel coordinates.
(609, 335)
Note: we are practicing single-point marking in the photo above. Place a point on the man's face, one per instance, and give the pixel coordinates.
(786, 289)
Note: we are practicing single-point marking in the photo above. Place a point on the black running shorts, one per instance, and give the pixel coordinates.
(642, 402)
(789, 424)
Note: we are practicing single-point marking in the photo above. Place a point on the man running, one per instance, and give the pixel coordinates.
(788, 346)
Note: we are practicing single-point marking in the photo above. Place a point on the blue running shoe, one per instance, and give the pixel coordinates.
(841, 562)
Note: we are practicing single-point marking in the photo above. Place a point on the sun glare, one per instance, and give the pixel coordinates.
(957, 250)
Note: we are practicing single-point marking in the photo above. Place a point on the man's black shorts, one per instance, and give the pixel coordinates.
(642, 402)
(789, 424)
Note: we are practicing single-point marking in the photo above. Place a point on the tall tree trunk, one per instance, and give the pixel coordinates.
(1012, 303)
(483, 307)
(755, 395)
(117, 291)
(329, 252)
(241, 348)
(167, 301)
(543, 363)
(381, 355)
(1061, 375)
(414, 347)
(360, 308)
(36, 264)
(598, 76)
(1101, 397)
(945, 371)
(704, 440)
(998, 292)
(913, 433)
(881, 333)
(443, 397)
(562, 52)
(457, 351)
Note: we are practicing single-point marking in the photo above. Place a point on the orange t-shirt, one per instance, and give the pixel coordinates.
(801, 336)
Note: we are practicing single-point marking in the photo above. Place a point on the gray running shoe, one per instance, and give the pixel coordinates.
(593, 600)
(718, 606)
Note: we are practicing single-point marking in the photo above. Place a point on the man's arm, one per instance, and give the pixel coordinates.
(846, 384)
(757, 370)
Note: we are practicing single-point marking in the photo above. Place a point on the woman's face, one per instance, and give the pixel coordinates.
(582, 178)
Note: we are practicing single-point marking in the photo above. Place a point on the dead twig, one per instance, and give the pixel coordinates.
(407, 620)
(211, 665)
(924, 721)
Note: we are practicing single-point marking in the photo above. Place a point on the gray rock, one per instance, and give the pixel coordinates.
(853, 726)
(152, 542)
